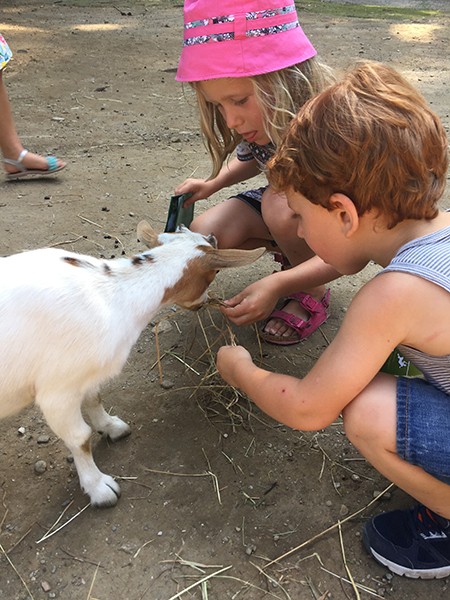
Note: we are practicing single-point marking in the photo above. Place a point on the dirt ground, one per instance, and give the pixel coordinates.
(211, 488)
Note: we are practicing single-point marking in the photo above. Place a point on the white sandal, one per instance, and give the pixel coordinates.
(52, 167)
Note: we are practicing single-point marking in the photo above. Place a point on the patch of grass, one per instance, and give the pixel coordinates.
(363, 11)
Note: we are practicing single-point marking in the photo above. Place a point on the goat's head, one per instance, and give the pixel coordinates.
(190, 291)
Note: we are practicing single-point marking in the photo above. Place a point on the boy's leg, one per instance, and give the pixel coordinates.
(412, 416)
(235, 224)
(370, 424)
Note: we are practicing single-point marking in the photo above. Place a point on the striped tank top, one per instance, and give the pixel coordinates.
(427, 257)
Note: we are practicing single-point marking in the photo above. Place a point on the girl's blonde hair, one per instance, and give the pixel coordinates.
(279, 94)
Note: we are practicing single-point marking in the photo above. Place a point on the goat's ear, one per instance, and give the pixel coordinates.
(147, 234)
(224, 259)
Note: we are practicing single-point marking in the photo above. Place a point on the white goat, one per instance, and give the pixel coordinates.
(69, 321)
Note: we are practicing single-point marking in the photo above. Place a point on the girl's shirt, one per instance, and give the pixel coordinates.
(427, 257)
(249, 151)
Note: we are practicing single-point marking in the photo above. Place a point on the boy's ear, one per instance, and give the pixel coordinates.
(345, 211)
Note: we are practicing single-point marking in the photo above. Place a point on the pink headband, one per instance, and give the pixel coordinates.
(240, 38)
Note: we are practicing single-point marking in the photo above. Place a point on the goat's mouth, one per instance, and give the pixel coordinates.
(196, 304)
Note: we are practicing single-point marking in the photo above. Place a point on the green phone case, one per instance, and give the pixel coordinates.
(178, 215)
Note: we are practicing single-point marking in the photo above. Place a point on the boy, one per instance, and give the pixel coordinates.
(363, 165)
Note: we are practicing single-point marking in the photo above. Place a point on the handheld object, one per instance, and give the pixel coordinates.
(178, 215)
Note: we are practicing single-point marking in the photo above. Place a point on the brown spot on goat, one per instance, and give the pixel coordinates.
(71, 260)
(189, 289)
(86, 447)
(139, 259)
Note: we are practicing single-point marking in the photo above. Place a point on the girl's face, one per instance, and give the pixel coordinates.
(236, 101)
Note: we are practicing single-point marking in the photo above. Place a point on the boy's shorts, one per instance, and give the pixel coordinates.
(423, 426)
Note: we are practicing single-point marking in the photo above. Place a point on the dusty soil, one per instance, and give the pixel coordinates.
(210, 486)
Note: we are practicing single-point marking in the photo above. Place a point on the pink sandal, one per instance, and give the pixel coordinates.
(318, 309)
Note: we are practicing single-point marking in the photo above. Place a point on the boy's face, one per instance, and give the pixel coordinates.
(235, 99)
(326, 233)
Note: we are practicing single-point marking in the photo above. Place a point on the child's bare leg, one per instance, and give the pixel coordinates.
(10, 144)
(235, 225)
(370, 424)
(282, 224)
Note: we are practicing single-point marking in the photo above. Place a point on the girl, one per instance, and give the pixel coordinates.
(18, 162)
(252, 67)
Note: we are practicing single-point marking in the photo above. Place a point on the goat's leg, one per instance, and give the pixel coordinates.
(63, 414)
(104, 423)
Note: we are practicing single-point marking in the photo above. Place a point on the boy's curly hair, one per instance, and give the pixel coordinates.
(279, 94)
(371, 137)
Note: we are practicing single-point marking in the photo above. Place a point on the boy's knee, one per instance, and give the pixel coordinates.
(354, 419)
(372, 414)
(359, 419)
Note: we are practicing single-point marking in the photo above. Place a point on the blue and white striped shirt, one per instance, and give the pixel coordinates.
(427, 257)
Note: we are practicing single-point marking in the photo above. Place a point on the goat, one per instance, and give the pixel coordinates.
(68, 323)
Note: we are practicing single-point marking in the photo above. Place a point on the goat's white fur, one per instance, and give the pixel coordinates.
(69, 321)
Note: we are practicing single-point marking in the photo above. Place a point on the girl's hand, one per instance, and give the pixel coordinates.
(199, 188)
(228, 359)
(254, 303)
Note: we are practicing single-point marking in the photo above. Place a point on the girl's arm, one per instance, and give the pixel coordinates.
(257, 301)
(376, 322)
(232, 172)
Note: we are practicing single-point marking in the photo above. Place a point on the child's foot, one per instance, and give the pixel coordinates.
(30, 164)
(415, 542)
(298, 319)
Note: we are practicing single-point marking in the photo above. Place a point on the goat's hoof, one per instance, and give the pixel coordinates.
(116, 429)
(106, 493)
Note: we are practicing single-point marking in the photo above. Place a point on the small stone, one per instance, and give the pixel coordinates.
(45, 586)
(385, 496)
(40, 467)
(128, 548)
(328, 503)
(250, 549)
(43, 439)
(162, 327)
(21, 431)
(343, 512)
(166, 384)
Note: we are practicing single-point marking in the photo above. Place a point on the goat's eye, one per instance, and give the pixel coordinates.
(211, 239)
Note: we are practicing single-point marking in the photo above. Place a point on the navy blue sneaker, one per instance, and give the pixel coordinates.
(414, 542)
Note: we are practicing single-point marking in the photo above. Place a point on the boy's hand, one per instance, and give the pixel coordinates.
(229, 358)
(254, 303)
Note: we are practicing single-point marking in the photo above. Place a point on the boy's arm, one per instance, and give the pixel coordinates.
(374, 325)
(257, 300)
